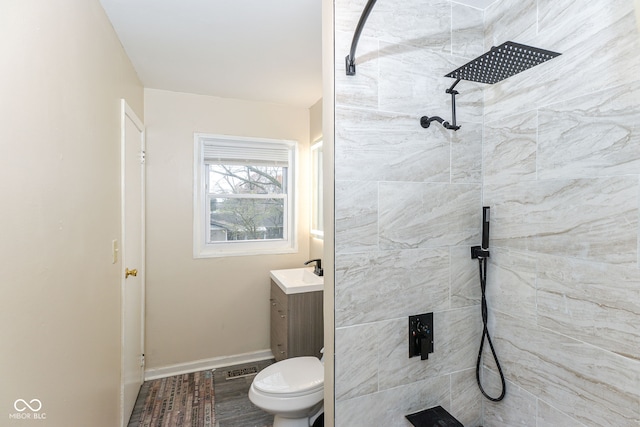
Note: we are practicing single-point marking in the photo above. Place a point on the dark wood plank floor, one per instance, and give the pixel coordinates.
(232, 405)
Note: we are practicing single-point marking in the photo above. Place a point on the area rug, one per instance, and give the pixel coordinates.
(179, 401)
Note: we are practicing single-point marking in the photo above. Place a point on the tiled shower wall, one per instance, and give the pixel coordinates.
(407, 209)
(560, 168)
(561, 174)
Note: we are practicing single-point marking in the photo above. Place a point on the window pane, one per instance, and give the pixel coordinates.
(247, 179)
(246, 219)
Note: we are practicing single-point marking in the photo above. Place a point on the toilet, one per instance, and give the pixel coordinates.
(292, 390)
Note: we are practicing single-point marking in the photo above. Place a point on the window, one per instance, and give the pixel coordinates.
(317, 219)
(243, 196)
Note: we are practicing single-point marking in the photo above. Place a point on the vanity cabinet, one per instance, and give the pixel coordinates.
(296, 323)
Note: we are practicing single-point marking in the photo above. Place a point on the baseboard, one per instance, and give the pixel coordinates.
(204, 364)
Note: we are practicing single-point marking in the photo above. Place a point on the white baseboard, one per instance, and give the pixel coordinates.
(204, 364)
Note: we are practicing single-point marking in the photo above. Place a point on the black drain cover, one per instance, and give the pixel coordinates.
(433, 417)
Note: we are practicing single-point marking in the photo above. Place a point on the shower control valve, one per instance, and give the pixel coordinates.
(421, 335)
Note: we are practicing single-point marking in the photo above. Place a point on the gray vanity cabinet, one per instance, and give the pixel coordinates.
(296, 323)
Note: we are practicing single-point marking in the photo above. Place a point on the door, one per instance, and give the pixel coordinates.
(133, 255)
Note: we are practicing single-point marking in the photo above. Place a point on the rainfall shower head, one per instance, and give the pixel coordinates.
(496, 65)
(502, 62)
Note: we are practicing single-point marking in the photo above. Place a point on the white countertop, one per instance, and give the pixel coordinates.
(297, 280)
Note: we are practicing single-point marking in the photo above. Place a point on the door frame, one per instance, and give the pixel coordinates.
(127, 113)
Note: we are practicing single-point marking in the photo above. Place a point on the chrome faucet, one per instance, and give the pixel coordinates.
(317, 270)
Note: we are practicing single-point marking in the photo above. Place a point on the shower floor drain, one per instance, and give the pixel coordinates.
(241, 373)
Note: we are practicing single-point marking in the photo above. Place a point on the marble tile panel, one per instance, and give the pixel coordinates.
(594, 219)
(467, 32)
(413, 215)
(355, 120)
(518, 408)
(548, 416)
(511, 283)
(389, 407)
(594, 135)
(569, 22)
(595, 303)
(589, 384)
(514, 20)
(374, 286)
(356, 216)
(598, 60)
(361, 89)
(356, 360)
(377, 153)
(456, 339)
(466, 400)
(412, 82)
(400, 156)
(420, 23)
(465, 281)
(466, 154)
(509, 149)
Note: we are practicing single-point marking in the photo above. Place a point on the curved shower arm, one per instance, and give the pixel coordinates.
(425, 121)
(350, 60)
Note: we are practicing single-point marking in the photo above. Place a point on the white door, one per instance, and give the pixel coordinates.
(133, 268)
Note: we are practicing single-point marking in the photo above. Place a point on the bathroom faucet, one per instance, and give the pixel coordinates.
(317, 270)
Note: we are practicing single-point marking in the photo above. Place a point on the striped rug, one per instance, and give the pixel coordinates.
(179, 401)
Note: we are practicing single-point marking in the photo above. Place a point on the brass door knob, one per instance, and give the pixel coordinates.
(128, 272)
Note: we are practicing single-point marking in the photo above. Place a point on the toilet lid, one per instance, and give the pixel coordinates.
(291, 376)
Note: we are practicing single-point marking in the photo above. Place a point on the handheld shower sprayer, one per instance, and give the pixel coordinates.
(485, 227)
(481, 253)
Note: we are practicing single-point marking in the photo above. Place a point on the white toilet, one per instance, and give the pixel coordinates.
(292, 390)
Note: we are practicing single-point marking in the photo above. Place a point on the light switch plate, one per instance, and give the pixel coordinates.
(114, 251)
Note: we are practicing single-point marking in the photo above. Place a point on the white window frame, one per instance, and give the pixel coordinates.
(201, 214)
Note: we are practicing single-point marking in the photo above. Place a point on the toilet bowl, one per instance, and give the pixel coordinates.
(292, 390)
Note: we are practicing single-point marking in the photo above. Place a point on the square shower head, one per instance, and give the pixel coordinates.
(501, 62)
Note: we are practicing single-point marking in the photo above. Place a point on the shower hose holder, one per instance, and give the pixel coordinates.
(425, 121)
(478, 252)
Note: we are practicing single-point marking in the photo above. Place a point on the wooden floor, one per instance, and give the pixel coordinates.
(232, 405)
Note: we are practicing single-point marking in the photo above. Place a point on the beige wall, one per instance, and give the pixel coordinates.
(62, 75)
(206, 308)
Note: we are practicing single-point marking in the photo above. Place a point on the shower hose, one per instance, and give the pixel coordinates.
(482, 266)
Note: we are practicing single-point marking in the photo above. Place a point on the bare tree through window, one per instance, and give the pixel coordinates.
(247, 202)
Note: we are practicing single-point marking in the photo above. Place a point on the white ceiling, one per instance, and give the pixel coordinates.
(268, 51)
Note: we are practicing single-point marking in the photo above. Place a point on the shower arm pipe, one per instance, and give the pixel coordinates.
(350, 60)
(425, 121)
(453, 103)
